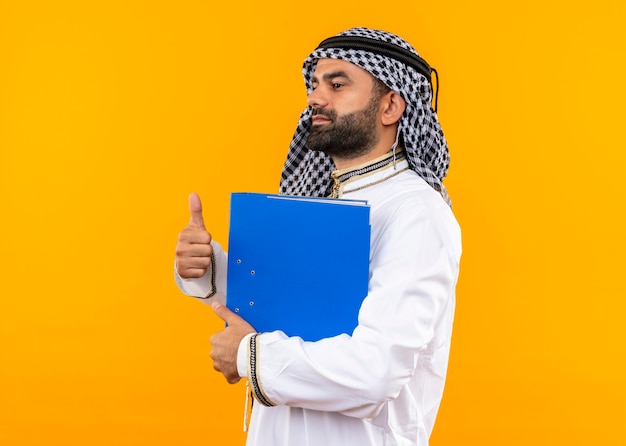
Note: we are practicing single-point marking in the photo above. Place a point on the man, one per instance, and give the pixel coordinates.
(369, 132)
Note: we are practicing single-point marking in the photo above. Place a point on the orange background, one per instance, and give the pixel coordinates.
(112, 112)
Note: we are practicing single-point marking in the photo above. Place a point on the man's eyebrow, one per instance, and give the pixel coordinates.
(332, 75)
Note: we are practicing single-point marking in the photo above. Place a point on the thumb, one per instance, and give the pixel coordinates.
(195, 210)
(224, 313)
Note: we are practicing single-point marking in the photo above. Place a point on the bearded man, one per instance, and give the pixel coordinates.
(369, 133)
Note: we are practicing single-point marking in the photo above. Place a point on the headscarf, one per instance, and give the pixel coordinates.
(397, 65)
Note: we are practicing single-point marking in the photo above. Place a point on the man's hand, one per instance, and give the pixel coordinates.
(193, 250)
(226, 343)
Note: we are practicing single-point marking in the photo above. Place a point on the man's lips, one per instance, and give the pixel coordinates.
(320, 119)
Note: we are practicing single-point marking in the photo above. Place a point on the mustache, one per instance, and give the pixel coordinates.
(330, 114)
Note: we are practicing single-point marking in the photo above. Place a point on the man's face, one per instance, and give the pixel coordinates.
(345, 110)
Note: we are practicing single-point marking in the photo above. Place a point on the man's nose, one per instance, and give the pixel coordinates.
(317, 98)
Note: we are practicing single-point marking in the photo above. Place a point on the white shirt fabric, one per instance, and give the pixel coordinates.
(382, 385)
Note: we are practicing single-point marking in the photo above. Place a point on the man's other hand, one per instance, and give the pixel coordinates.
(193, 250)
(225, 344)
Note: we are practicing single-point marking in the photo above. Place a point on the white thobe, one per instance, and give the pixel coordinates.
(383, 384)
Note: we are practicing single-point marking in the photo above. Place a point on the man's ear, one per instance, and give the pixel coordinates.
(393, 107)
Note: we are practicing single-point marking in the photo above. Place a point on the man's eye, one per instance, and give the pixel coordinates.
(337, 85)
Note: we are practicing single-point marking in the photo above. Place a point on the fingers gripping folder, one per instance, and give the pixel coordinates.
(298, 264)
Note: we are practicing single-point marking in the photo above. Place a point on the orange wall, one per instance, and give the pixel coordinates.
(112, 112)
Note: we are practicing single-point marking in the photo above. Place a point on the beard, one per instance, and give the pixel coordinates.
(347, 136)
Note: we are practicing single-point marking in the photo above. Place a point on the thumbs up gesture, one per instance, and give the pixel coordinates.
(193, 250)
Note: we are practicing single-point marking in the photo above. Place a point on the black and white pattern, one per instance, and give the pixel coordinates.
(257, 390)
(308, 173)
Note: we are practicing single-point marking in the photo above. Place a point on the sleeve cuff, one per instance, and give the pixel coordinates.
(253, 371)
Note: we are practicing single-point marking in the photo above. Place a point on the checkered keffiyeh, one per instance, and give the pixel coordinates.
(307, 172)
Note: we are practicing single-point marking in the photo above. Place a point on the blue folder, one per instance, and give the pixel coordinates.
(298, 264)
